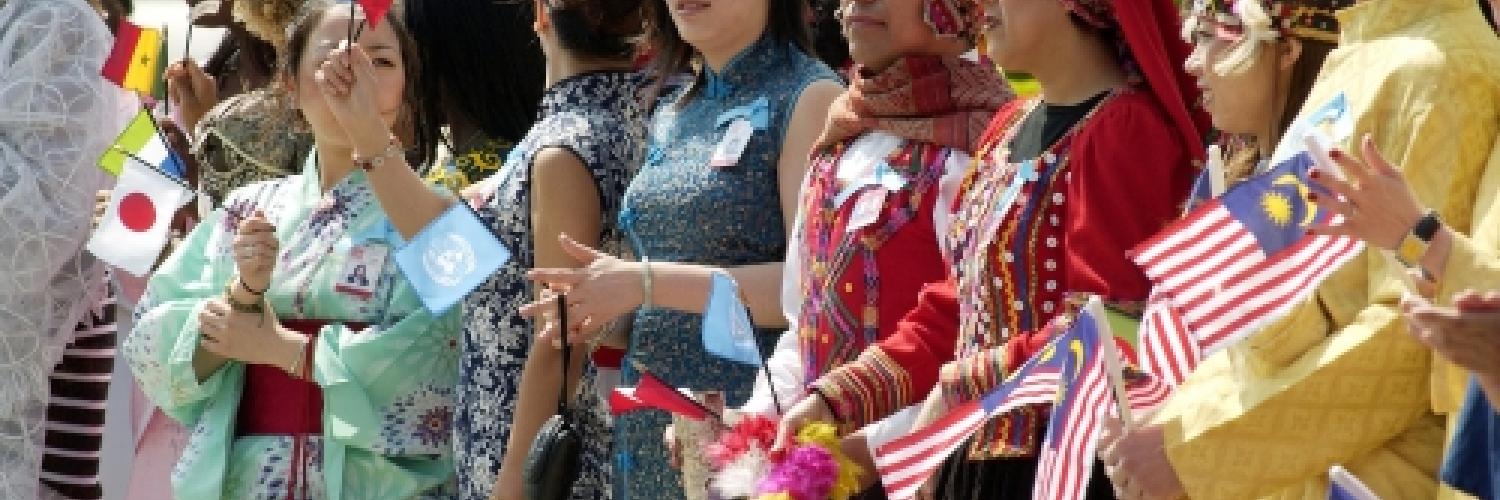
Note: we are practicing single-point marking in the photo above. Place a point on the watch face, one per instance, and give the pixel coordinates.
(1411, 250)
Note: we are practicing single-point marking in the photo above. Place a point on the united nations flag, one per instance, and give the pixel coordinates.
(451, 257)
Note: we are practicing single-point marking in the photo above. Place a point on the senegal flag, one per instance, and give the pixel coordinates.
(137, 59)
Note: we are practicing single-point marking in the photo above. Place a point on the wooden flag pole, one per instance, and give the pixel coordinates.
(1217, 182)
(1111, 356)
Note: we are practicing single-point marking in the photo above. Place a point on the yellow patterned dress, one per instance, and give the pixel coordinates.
(1339, 380)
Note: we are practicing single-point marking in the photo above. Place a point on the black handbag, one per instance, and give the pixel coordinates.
(552, 463)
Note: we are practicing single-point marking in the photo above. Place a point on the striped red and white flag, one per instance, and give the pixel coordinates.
(907, 462)
(1168, 351)
(1067, 455)
(1243, 260)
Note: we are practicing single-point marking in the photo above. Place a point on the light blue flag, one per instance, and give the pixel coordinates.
(450, 257)
(727, 331)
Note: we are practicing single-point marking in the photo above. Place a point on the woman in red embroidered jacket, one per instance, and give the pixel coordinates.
(1099, 162)
(895, 147)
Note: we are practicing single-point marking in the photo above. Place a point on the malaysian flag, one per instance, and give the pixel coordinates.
(1245, 259)
(906, 462)
(1168, 351)
(1067, 455)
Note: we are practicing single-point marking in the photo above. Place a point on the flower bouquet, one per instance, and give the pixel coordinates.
(815, 468)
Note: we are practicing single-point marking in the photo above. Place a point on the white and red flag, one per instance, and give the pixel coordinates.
(133, 231)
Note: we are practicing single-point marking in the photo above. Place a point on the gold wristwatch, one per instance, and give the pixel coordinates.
(1414, 245)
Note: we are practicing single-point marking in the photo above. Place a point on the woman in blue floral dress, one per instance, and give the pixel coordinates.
(692, 212)
(567, 175)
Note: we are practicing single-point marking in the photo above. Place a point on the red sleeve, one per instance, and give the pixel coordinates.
(1130, 176)
(900, 370)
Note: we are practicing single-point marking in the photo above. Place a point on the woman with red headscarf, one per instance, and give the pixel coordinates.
(1103, 158)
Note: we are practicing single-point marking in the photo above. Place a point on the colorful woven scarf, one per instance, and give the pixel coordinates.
(941, 100)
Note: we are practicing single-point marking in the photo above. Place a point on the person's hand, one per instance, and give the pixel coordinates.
(192, 91)
(256, 338)
(101, 205)
(810, 409)
(1376, 203)
(255, 248)
(1137, 463)
(348, 82)
(674, 448)
(475, 194)
(856, 446)
(1467, 334)
(601, 291)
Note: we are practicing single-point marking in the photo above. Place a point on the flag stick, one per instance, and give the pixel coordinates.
(352, 5)
(166, 100)
(1216, 181)
(765, 368)
(1111, 355)
(187, 43)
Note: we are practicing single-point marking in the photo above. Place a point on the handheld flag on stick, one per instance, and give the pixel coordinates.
(134, 228)
(651, 392)
(1245, 259)
(135, 62)
(142, 142)
(1067, 453)
(907, 462)
(451, 257)
(727, 331)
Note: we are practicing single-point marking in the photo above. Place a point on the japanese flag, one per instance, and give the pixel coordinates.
(134, 228)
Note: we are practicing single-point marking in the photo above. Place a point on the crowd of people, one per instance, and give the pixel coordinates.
(905, 221)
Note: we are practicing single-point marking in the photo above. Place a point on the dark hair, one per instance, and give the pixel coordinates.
(606, 29)
(423, 129)
(1304, 73)
(671, 54)
(241, 54)
(482, 64)
(828, 35)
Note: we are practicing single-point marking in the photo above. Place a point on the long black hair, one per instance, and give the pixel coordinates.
(786, 21)
(482, 63)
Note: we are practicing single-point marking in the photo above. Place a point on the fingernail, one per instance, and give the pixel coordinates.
(1337, 154)
(1315, 174)
(1312, 196)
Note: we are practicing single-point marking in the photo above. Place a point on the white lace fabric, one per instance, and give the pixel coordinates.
(57, 114)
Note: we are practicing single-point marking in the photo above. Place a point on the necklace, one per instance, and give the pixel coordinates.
(999, 204)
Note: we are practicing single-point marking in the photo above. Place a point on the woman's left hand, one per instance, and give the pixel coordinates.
(248, 337)
(348, 82)
(1467, 334)
(1376, 203)
(604, 289)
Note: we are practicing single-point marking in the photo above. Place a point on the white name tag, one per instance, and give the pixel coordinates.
(867, 209)
(732, 146)
(361, 272)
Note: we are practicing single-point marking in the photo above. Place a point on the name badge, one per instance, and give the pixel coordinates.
(867, 209)
(361, 272)
(732, 146)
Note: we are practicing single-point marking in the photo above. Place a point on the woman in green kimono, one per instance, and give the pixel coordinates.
(282, 332)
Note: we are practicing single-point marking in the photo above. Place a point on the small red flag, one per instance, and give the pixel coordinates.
(651, 392)
(375, 10)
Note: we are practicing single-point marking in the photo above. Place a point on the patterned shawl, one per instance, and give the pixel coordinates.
(941, 100)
